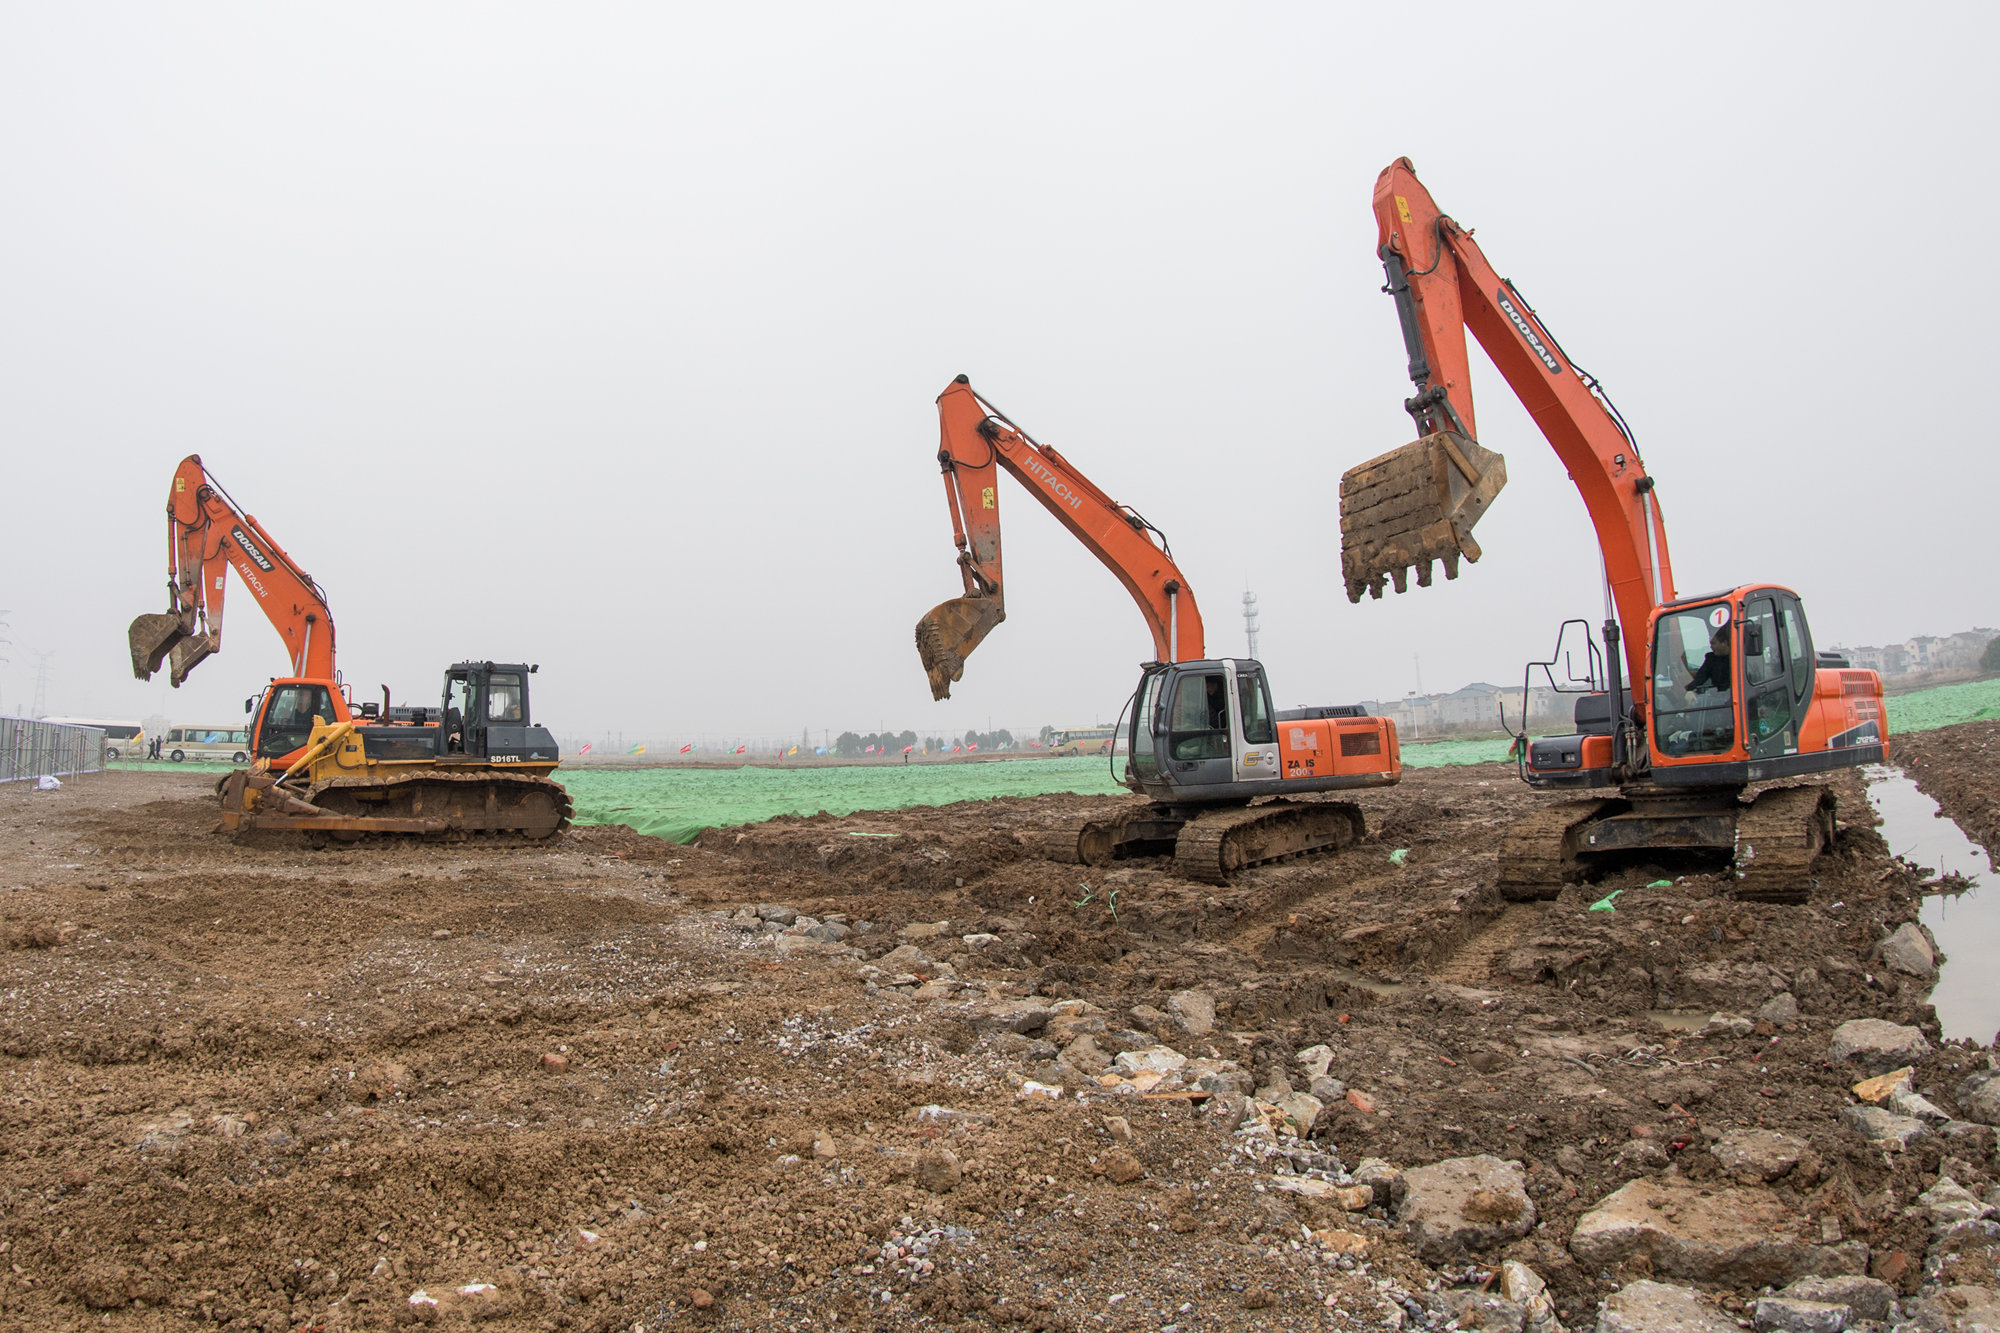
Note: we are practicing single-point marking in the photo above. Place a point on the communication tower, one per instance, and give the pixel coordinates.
(1250, 619)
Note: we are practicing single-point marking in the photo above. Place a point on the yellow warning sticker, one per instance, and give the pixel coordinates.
(986, 497)
(1403, 208)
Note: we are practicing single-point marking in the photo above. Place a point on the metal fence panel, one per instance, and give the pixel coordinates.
(29, 749)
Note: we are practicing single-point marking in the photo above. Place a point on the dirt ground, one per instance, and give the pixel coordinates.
(583, 1086)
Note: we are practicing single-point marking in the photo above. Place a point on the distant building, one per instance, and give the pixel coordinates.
(1925, 655)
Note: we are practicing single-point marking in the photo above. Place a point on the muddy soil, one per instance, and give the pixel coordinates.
(581, 1085)
(1959, 768)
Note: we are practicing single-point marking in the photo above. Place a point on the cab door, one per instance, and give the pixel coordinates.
(1147, 745)
(1255, 740)
(1770, 722)
(1198, 750)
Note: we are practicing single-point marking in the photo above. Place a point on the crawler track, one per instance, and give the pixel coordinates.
(1538, 853)
(1088, 840)
(1778, 836)
(1218, 843)
(524, 805)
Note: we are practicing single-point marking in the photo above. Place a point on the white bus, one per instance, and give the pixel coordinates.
(1084, 740)
(122, 740)
(182, 743)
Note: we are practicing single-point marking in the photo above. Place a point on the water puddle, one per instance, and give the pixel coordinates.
(1967, 925)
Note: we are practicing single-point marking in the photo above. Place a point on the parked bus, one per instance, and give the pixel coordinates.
(231, 744)
(122, 740)
(1083, 740)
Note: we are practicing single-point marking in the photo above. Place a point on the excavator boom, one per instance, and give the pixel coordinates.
(206, 534)
(975, 441)
(1419, 502)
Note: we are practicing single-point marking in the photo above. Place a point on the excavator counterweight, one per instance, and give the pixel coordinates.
(947, 634)
(1412, 506)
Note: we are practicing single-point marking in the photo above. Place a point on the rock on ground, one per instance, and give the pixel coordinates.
(1868, 1297)
(1880, 1126)
(1195, 1010)
(1760, 1154)
(1464, 1203)
(1979, 1097)
(1655, 1307)
(1908, 950)
(1786, 1314)
(1738, 1236)
(1876, 1046)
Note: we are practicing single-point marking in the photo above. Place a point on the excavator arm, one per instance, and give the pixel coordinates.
(1392, 506)
(206, 534)
(975, 441)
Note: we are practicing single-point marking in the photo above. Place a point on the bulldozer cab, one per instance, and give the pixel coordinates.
(1202, 724)
(486, 713)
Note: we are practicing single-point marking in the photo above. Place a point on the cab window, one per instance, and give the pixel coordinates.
(1693, 711)
(1768, 663)
(1142, 726)
(1199, 718)
(289, 715)
(503, 697)
(1254, 702)
(1798, 647)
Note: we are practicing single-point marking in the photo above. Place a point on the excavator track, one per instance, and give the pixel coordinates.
(523, 804)
(1538, 853)
(1088, 840)
(1218, 843)
(1778, 835)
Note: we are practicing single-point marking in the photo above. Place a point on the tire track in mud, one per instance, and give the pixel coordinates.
(1472, 963)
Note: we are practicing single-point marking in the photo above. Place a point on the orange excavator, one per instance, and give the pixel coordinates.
(321, 765)
(1716, 693)
(1203, 741)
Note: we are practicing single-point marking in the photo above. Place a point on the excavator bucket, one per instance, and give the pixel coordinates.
(1412, 506)
(949, 632)
(191, 652)
(152, 637)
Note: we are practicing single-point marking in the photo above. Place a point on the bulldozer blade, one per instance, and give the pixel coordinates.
(1412, 506)
(190, 652)
(949, 632)
(152, 637)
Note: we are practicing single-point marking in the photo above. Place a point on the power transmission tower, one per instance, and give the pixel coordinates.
(41, 704)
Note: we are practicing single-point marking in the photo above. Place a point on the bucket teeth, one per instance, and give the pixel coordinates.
(947, 634)
(1413, 506)
(152, 637)
(190, 652)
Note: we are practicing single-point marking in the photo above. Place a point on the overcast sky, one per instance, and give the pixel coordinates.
(607, 337)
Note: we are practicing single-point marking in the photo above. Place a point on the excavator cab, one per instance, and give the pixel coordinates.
(1205, 732)
(285, 713)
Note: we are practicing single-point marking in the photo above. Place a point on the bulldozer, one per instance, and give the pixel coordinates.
(401, 770)
(321, 764)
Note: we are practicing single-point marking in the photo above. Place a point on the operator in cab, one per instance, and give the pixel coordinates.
(1713, 673)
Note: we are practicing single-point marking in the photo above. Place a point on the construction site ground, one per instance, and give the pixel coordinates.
(586, 1085)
